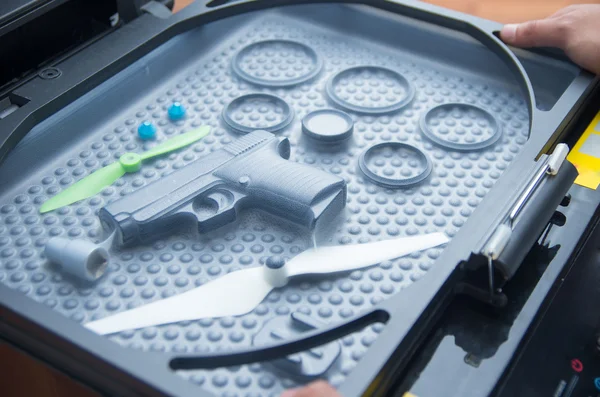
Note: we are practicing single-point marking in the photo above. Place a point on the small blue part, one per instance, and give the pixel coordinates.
(146, 130)
(597, 383)
(176, 111)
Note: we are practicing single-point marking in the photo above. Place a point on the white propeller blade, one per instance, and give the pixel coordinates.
(234, 293)
(240, 292)
(343, 258)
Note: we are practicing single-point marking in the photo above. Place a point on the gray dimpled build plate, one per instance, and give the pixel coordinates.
(443, 202)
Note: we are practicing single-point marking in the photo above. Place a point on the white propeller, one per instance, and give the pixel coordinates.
(241, 291)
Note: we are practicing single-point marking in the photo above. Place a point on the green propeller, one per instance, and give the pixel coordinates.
(129, 162)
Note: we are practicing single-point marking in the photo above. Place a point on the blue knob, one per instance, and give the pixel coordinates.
(146, 131)
(176, 111)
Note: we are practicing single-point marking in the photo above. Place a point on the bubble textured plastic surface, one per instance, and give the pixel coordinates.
(444, 202)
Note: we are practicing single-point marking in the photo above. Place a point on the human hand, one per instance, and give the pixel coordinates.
(315, 389)
(574, 29)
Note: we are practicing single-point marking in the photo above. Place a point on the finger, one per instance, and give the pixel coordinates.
(566, 10)
(315, 389)
(540, 33)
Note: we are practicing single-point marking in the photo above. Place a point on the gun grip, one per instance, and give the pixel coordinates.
(294, 191)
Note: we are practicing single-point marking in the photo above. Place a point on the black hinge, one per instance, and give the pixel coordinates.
(33, 39)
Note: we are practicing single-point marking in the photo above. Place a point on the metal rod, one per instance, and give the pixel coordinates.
(491, 275)
(529, 190)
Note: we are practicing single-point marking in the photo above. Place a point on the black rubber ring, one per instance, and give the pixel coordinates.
(289, 114)
(235, 65)
(410, 92)
(461, 147)
(395, 182)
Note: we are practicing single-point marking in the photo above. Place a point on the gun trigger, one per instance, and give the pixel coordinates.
(221, 200)
(216, 208)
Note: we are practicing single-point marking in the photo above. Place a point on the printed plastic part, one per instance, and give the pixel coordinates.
(258, 111)
(395, 164)
(241, 291)
(232, 294)
(147, 131)
(129, 162)
(460, 127)
(306, 365)
(250, 172)
(176, 111)
(276, 272)
(370, 90)
(328, 125)
(277, 63)
(81, 258)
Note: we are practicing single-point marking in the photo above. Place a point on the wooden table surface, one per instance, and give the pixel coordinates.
(18, 370)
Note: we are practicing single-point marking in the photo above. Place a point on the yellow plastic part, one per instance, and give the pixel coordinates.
(587, 165)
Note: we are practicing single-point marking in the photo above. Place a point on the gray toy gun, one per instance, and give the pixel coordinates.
(250, 172)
